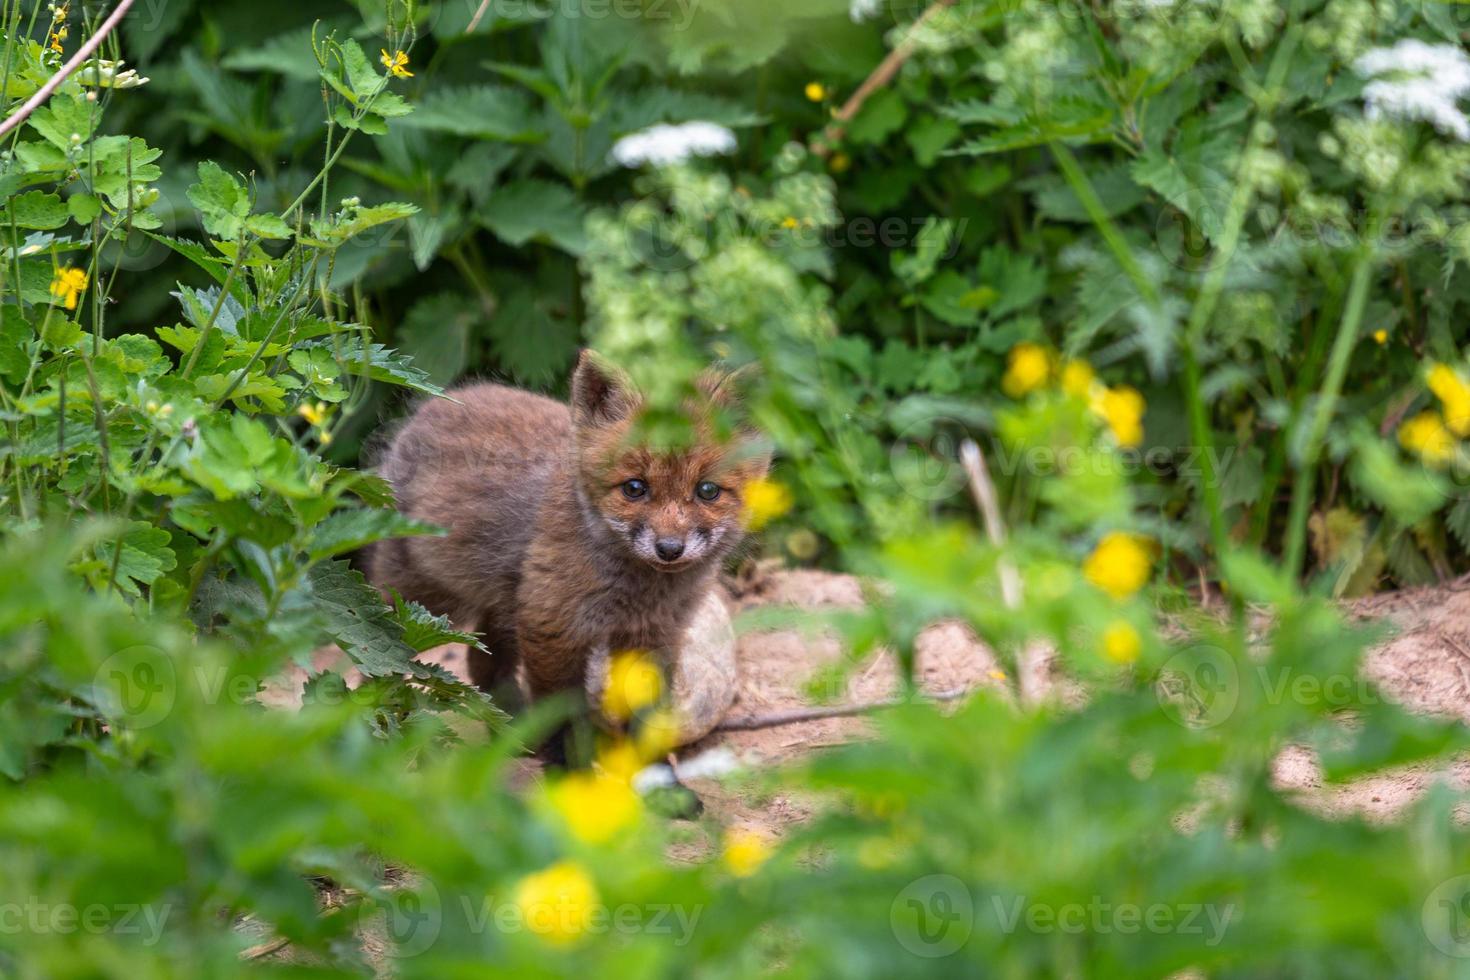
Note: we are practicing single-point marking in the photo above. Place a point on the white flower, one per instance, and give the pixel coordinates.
(1423, 81)
(663, 144)
(861, 10)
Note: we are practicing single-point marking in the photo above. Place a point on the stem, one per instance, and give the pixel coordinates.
(1337, 365)
(240, 248)
(54, 82)
(1077, 180)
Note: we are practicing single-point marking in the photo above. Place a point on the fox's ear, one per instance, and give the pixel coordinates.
(599, 393)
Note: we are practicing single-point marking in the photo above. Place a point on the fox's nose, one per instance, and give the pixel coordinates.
(668, 548)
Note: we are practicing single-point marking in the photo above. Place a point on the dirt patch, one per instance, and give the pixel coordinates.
(1423, 664)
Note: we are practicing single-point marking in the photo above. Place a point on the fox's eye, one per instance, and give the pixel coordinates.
(707, 491)
(635, 489)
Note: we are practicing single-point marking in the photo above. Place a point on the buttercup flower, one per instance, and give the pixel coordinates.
(1454, 394)
(1426, 435)
(68, 284)
(620, 760)
(595, 806)
(765, 500)
(1077, 378)
(1122, 409)
(663, 144)
(633, 683)
(1119, 565)
(1121, 642)
(1027, 369)
(557, 904)
(658, 734)
(745, 851)
(396, 63)
(1381, 336)
(816, 91)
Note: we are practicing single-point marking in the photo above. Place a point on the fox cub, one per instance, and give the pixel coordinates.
(569, 535)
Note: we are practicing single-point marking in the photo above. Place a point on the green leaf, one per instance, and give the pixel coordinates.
(1409, 493)
(221, 200)
(355, 617)
(36, 210)
(348, 530)
(145, 556)
(881, 116)
(436, 334)
(379, 363)
(16, 334)
(422, 630)
(83, 208)
(537, 210)
(491, 112)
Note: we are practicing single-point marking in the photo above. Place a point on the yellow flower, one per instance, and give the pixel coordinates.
(1381, 336)
(765, 500)
(557, 904)
(840, 163)
(1119, 565)
(1121, 642)
(1122, 409)
(314, 414)
(658, 734)
(1028, 368)
(790, 223)
(620, 760)
(396, 63)
(745, 851)
(68, 284)
(595, 806)
(1426, 435)
(633, 683)
(816, 91)
(1077, 378)
(1454, 394)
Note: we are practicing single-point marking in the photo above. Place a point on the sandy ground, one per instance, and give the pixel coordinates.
(1424, 665)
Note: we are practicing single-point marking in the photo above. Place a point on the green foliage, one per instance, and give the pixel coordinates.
(1193, 304)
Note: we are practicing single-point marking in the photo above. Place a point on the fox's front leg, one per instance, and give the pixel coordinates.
(555, 664)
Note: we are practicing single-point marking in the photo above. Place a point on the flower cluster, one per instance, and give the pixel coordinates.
(1414, 80)
(1030, 367)
(664, 145)
(1431, 435)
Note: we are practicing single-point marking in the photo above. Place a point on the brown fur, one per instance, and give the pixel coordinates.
(545, 555)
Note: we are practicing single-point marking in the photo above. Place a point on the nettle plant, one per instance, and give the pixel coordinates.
(190, 454)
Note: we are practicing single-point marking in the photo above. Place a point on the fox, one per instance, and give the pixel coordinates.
(570, 534)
